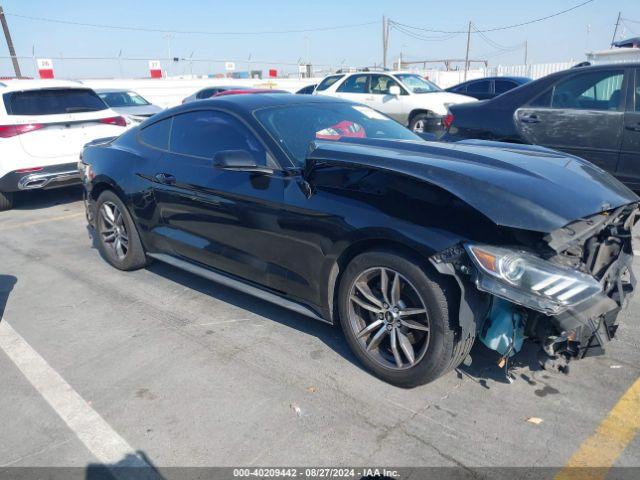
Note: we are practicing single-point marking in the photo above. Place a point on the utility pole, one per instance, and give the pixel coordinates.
(615, 31)
(385, 41)
(466, 58)
(526, 51)
(12, 51)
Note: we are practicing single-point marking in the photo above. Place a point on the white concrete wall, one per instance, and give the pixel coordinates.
(170, 92)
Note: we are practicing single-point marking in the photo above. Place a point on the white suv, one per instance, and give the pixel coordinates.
(43, 126)
(407, 97)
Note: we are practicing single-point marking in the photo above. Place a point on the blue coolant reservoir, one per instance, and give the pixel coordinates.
(503, 325)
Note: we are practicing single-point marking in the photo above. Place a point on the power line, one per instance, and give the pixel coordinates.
(505, 27)
(439, 38)
(189, 32)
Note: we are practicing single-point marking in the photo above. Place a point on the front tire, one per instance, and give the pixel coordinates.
(400, 319)
(118, 239)
(6, 201)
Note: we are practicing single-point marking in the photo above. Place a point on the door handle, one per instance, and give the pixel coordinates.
(529, 119)
(634, 128)
(165, 178)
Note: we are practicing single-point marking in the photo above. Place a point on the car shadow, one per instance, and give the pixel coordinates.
(483, 369)
(38, 199)
(331, 335)
(7, 283)
(133, 466)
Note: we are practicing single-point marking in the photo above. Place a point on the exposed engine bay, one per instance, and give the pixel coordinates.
(563, 290)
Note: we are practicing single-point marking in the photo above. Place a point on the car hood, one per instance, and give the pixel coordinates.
(518, 186)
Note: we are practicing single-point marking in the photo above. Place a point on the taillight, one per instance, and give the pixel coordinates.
(120, 121)
(30, 170)
(7, 131)
(447, 121)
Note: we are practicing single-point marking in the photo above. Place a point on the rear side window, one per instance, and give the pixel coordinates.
(157, 135)
(483, 86)
(204, 133)
(327, 82)
(504, 86)
(53, 101)
(599, 90)
(355, 84)
(206, 93)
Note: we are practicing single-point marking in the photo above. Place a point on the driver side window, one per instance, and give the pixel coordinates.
(204, 133)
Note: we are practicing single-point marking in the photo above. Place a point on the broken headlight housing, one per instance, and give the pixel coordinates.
(530, 281)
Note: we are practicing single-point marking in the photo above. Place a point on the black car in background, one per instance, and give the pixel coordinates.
(335, 211)
(592, 112)
(488, 87)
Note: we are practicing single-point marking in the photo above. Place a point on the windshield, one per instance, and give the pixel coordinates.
(417, 84)
(295, 126)
(123, 99)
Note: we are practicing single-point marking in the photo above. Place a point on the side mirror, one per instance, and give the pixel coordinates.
(238, 160)
(394, 90)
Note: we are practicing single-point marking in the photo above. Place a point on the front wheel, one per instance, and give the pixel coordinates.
(401, 319)
(118, 239)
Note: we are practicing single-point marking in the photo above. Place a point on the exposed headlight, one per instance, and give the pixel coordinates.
(530, 281)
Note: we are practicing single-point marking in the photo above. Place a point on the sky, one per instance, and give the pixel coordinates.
(563, 38)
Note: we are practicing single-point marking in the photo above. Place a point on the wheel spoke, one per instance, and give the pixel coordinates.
(369, 328)
(109, 237)
(394, 348)
(365, 305)
(412, 311)
(395, 289)
(366, 292)
(106, 214)
(384, 284)
(118, 247)
(414, 325)
(107, 210)
(406, 347)
(377, 338)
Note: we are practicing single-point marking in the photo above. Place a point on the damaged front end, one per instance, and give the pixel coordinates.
(563, 290)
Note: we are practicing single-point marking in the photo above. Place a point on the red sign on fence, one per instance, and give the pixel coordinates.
(273, 73)
(155, 69)
(45, 67)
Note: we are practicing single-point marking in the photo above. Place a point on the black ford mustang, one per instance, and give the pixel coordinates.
(335, 211)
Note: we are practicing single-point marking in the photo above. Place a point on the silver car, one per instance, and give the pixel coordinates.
(129, 104)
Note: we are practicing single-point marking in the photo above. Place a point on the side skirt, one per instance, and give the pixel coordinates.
(231, 282)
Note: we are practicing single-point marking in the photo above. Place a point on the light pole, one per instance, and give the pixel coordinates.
(168, 37)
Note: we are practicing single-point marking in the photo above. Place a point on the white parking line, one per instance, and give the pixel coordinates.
(90, 428)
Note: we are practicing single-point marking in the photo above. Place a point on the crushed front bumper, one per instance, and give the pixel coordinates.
(584, 330)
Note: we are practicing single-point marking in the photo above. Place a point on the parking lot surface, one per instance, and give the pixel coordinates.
(194, 374)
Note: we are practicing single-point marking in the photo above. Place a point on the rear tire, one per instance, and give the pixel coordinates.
(6, 201)
(118, 239)
(420, 122)
(433, 331)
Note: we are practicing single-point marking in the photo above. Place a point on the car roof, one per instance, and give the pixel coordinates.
(248, 103)
(112, 90)
(20, 85)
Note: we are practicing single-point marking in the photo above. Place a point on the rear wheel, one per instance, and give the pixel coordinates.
(118, 238)
(6, 201)
(421, 122)
(400, 319)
